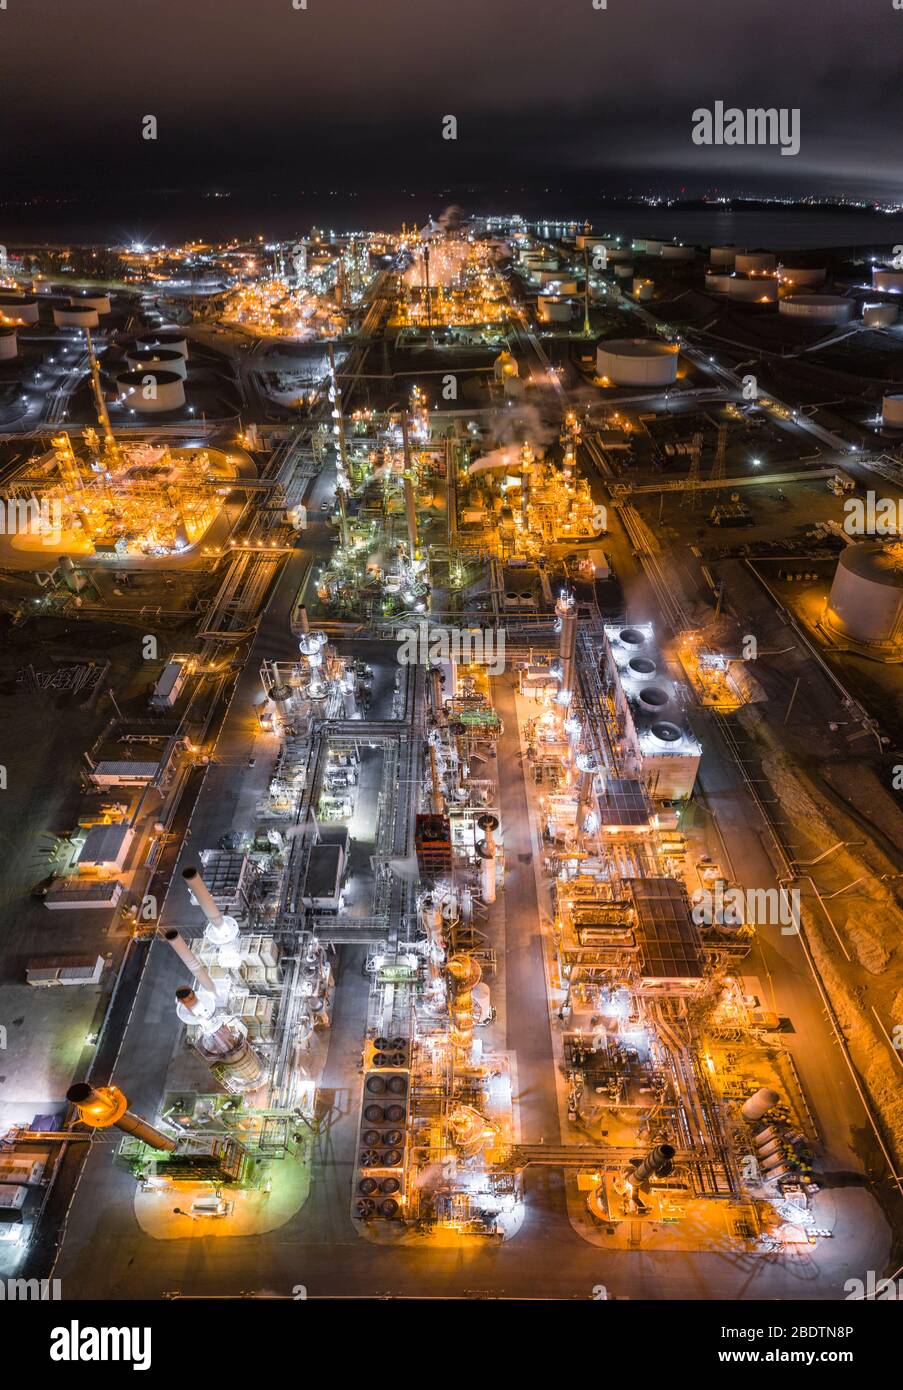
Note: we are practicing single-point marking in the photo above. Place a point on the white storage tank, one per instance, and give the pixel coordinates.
(647, 248)
(637, 362)
(93, 299)
(725, 255)
(892, 412)
(676, 251)
(18, 308)
(817, 308)
(151, 391)
(9, 344)
(642, 289)
(794, 276)
(866, 599)
(152, 359)
(623, 272)
(75, 316)
(752, 289)
(890, 281)
(754, 262)
(552, 308)
(879, 315)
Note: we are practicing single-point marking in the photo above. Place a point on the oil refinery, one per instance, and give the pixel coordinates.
(455, 832)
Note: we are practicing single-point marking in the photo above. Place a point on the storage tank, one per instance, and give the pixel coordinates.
(797, 275)
(892, 412)
(879, 315)
(675, 251)
(759, 1104)
(647, 248)
(18, 308)
(642, 289)
(623, 272)
(9, 344)
(718, 282)
(75, 316)
(93, 299)
(753, 289)
(725, 255)
(890, 281)
(551, 308)
(151, 391)
(637, 362)
(166, 338)
(754, 262)
(817, 308)
(153, 359)
(866, 599)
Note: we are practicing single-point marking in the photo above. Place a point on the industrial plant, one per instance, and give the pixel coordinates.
(467, 800)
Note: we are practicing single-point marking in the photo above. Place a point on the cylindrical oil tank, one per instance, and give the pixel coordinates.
(753, 289)
(637, 362)
(75, 316)
(642, 288)
(797, 275)
(879, 315)
(619, 253)
(754, 262)
(717, 282)
(817, 308)
(725, 255)
(165, 338)
(93, 299)
(18, 308)
(9, 344)
(866, 599)
(623, 272)
(154, 359)
(645, 247)
(890, 281)
(675, 251)
(551, 308)
(151, 391)
(892, 412)
(759, 1104)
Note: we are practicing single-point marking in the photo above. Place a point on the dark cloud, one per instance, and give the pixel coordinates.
(351, 93)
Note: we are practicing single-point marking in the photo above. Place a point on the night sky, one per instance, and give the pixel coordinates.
(254, 97)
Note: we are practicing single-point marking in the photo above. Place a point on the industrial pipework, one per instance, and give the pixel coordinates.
(105, 1107)
(465, 974)
(566, 613)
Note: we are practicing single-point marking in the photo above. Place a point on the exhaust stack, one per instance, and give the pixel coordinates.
(105, 1107)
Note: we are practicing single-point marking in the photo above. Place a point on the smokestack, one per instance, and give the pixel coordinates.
(221, 1044)
(106, 1107)
(303, 620)
(659, 1162)
(220, 929)
(187, 957)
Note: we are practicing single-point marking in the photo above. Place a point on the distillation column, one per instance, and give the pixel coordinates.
(566, 613)
(486, 849)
